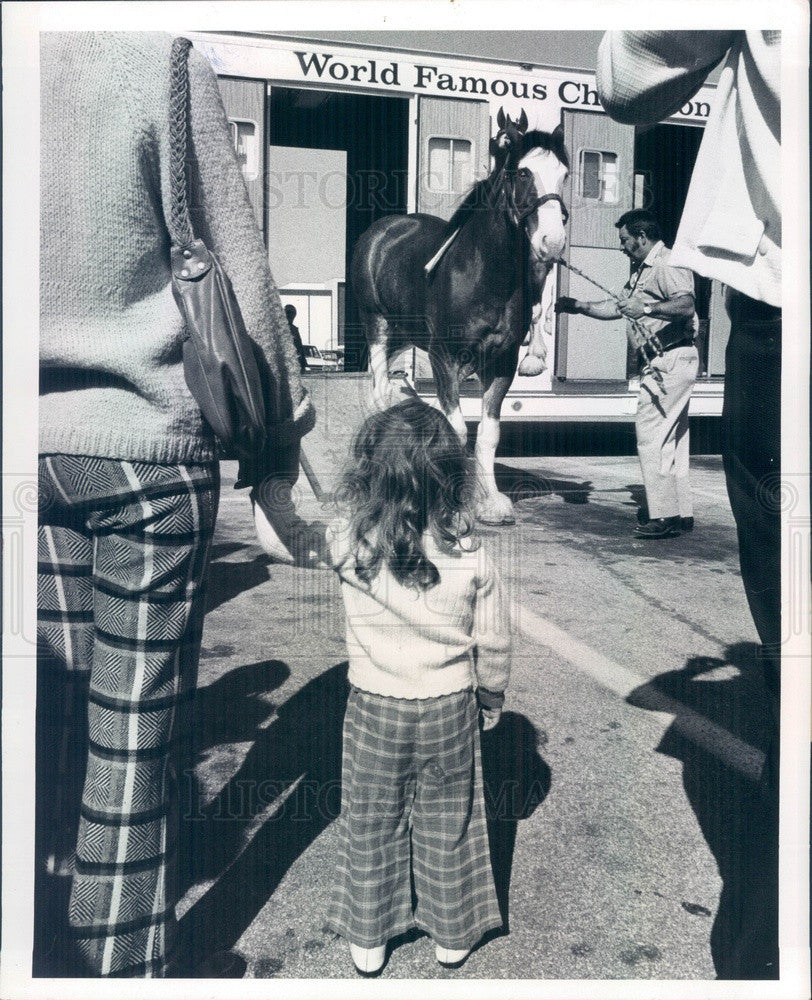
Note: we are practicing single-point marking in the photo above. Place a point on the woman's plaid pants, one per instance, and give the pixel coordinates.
(123, 558)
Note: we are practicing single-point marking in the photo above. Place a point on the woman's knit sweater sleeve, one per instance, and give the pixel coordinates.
(223, 215)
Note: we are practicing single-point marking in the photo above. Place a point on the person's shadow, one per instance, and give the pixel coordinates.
(720, 776)
(228, 579)
(286, 791)
(516, 780)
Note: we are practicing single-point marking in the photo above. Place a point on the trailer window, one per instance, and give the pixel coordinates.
(244, 137)
(598, 176)
(450, 165)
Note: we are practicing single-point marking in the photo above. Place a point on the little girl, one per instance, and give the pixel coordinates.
(429, 647)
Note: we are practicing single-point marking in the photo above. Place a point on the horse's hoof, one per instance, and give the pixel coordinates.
(496, 510)
(531, 365)
(497, 522)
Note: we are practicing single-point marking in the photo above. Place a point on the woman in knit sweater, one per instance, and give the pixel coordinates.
(429, 649)
(128, 470)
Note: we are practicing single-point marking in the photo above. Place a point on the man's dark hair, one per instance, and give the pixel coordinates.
(640, 221)
(290, 311)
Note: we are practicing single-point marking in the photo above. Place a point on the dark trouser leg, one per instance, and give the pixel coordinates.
(752, 459)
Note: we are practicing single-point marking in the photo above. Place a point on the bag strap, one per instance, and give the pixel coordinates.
(180, 223)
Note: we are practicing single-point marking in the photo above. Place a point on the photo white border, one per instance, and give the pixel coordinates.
(21, 24)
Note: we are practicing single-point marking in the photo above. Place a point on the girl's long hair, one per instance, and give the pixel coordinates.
(408, 473)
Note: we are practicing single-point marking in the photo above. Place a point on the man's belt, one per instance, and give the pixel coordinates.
(682, 342)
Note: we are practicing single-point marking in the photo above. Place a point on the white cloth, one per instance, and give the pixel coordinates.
(731, 225)
(405, 643)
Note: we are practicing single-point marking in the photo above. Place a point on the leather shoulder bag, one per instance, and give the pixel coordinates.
(219, 360)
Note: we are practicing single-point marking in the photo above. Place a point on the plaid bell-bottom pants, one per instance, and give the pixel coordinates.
(123, 559)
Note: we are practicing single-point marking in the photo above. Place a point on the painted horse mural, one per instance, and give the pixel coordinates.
(472, 309)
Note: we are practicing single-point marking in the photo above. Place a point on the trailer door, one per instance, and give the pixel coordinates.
(244, 102)
(453, 141)
(599, 191)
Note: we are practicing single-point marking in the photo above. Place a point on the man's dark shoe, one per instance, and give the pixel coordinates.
(686, 524)
(658, 527)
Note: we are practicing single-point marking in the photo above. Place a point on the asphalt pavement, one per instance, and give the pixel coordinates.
(628, 836)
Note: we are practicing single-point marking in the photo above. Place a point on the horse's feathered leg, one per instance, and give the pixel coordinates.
(534, 362)
(379, 365)
(377, 329)
(493, 507)
(447, 384)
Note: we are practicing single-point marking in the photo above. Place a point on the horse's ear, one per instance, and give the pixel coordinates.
(522, 123)
(500, 118)
(558, 133)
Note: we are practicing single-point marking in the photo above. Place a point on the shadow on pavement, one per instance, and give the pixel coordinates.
(228, 580)
(637, 498)
(288, 785)
(520, 484)
(234, 706)
(516, 781)
(738, 823)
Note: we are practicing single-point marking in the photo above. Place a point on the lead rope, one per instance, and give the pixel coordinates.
(645, 341)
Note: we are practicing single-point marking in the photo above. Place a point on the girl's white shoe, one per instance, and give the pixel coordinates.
(451, 958)
(368, 961)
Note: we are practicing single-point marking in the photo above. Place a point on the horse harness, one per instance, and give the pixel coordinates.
(535, 204)
(520, 216)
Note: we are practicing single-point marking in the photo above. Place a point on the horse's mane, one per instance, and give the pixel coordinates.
(489, 194)
(486, 195)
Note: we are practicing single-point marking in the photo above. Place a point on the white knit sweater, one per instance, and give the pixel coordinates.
(406, 643)
(112, 382)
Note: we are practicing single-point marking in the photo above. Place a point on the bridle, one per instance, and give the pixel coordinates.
(522, 214)
(519, 216)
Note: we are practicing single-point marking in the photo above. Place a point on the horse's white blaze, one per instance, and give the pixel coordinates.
(545, 227)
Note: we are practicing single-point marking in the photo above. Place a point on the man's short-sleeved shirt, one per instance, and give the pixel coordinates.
(656, 280)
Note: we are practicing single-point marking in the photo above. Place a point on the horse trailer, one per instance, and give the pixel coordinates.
(332, 136)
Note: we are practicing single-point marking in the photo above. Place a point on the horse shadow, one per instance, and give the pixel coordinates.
(516, 780)
(285, 792)
(519, 484)
(739, 825)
